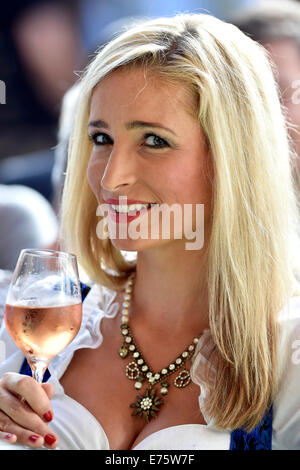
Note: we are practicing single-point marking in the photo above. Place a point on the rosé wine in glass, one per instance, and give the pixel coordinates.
(43, 309)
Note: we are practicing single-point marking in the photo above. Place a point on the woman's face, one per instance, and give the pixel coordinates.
(148, 147)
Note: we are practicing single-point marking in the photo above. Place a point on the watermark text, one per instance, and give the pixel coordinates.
(155, 221)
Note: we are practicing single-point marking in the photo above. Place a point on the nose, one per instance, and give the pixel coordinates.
(120, 170)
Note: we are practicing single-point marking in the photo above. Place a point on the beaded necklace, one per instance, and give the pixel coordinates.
(148, 405)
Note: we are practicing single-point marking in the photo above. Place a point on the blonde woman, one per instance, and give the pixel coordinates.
(193, 346)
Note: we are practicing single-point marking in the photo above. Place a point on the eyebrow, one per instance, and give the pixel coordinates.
(131, 125)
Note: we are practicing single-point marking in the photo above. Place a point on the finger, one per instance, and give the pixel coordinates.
(13, 411)
(49, 389)
(23, 436)
(31, 391)
(48, 416)
(15, 434)
(8, 437)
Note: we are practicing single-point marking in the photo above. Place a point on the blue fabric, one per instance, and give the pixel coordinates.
(258, 439)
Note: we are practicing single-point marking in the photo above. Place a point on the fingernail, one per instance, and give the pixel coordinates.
(48, 416)
(49, 439)
(8, 436)
(33, 438)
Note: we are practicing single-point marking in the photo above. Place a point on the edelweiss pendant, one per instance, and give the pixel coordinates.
(147, 406)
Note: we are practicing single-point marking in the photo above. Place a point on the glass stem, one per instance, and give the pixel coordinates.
(38, 369)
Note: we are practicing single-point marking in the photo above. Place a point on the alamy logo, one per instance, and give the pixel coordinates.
(164, 221)
(296, 353)
(2, 92)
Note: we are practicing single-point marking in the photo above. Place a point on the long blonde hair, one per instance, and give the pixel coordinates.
(252, 264)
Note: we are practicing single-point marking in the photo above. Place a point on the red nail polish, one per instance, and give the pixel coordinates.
(49, 439)
(33, 438)
(48, 416)
(8, 436)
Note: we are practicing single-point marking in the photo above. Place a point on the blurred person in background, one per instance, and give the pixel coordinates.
(27, 221)
(39, 51)
(276, 25)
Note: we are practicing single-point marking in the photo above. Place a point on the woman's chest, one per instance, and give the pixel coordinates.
(98, 380)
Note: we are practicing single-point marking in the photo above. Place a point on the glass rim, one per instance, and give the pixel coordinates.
(46, 253)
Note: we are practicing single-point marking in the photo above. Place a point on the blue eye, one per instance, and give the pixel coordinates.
(155, 141)
(151, 140)
(100, 138)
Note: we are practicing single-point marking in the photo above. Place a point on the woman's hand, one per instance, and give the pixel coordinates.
(25, 409)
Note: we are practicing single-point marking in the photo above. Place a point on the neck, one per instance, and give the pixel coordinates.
(170, 289)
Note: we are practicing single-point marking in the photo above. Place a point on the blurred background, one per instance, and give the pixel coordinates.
(43, 46)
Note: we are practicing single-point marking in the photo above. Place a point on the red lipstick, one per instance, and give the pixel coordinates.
(118, 202)
(124, 217)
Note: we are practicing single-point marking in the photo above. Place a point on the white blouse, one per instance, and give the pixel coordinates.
(70, 415)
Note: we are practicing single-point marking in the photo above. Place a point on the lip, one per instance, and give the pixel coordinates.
(116, 202)
(124, 217)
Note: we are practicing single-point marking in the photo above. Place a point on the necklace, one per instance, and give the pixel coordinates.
(148, 405)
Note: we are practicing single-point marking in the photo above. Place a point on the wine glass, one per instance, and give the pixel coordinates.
(43, 308)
